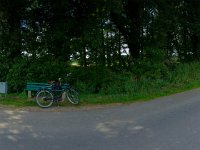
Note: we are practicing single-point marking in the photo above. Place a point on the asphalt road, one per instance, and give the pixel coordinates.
(168, 123)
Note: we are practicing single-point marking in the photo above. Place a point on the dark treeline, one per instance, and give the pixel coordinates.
(40, 39)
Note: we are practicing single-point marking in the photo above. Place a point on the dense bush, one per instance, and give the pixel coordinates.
(94, 79)
(105, 81)
(143, 78)
(42, 70)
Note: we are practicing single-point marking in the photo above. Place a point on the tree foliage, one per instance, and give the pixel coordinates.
(117, 34)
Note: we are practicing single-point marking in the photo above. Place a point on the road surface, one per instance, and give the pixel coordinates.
(167, 123)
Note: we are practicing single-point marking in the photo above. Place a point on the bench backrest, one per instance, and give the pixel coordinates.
(32, 86)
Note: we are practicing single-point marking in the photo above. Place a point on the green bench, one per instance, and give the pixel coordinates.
(35, 87)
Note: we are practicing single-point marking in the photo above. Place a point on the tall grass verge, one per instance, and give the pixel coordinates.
(128, 88)
(103, 86)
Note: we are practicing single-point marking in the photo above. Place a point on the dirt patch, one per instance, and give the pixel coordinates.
(61, 108)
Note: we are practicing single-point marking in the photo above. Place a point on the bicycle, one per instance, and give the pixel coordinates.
(56, 92)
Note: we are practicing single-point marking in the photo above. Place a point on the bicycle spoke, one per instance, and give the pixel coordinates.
(44, 98)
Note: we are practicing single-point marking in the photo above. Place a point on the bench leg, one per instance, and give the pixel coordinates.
(64, 94)
(29, 94)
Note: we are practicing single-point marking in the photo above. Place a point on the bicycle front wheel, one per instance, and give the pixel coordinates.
(73, 96)
(44, 98)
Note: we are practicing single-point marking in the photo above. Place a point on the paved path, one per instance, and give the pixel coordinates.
(168, 123)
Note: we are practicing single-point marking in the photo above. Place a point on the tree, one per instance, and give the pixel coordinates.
(128, 18)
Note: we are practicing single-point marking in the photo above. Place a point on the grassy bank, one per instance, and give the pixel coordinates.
(127, 88)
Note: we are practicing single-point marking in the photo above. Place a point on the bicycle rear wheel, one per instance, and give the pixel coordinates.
(44, 98)
(73, 96)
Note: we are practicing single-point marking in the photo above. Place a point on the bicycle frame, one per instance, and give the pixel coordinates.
(55, 89)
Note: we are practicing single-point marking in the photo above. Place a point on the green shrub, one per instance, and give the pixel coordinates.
(152, 66)
(41, 70)
(92, 79)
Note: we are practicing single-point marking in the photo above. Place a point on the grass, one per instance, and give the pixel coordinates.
(21, 100)
(142, 96)
(17, 100)
(185, 77)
